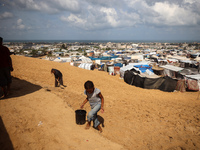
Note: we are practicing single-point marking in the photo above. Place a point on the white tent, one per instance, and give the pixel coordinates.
(62, 59)
(125, 68)
(84, 59)
(196, 76)
(170, 69)
(85, 66)
(173, 68)
(131, 66)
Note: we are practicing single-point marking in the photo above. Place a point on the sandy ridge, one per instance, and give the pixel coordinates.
(135, 118)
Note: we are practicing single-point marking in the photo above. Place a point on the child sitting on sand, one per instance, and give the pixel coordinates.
(96, 101)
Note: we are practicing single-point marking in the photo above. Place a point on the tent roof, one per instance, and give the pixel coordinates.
(173, 68)
(181, 58)
(196, 76)
(189, 71)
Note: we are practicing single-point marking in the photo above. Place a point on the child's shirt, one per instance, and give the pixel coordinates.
(93, 98)
(57, 74)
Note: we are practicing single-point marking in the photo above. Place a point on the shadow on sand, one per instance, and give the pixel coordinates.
(21, 87)
(5, 142)
(101, 120)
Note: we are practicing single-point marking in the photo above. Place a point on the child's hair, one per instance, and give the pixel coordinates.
(52, 70)
(88, 85)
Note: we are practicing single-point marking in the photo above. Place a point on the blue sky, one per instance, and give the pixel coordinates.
(100, 19)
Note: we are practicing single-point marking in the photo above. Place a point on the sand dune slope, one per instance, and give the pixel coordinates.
(134, 118)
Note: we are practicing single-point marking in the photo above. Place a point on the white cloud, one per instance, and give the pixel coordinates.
(114, 13)
(19, 21)
(94, 15)
(173, 15)
(110, 15)
(6, 15)
(50, 6)
(90, 20)
(189, 1)
(166, 13)
(105, 3)
(75, 19)
(20, 25)
(101, 18)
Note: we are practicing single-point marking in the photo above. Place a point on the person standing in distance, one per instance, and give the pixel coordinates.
(5, 69)
(58, 77)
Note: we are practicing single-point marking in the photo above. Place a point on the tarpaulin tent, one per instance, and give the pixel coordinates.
(131, 66)
(169, 84)
(143, 68)
(103, 58)
(163, 83)
(129, 77)
(153, 83)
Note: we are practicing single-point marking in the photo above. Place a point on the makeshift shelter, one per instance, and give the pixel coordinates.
(144, 68)
(88, 66)
(84, 59)
(181, 85)
(171, 71)
(193, 82)
(118, 64)
(169, 84)
(187, 63)
(103, 57)
(125, 68)
(137, 56)
(162, 83)
(133, 79)
(131, 66)
(157, 70)
(154, 83)
(189, 71)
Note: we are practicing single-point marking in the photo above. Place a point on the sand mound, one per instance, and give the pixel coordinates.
(134, 118)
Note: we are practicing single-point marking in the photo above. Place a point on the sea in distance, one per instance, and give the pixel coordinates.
(100, 41)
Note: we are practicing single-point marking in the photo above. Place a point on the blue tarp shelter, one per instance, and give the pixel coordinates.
(103, 58)
(143, 68)
(118, 64)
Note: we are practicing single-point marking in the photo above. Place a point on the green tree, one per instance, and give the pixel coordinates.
(79, 49)
(63, 46)
(34, 53)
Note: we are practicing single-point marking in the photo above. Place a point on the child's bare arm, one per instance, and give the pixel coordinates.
(102, 102)
(84, 102)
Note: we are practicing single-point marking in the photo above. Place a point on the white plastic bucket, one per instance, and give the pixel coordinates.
(111, 70)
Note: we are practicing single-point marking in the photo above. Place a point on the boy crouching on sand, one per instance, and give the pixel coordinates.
(96, 101)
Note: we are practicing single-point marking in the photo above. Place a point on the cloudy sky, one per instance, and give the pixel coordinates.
(100, 19)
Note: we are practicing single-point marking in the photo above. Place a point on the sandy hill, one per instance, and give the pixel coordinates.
(37, 115)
